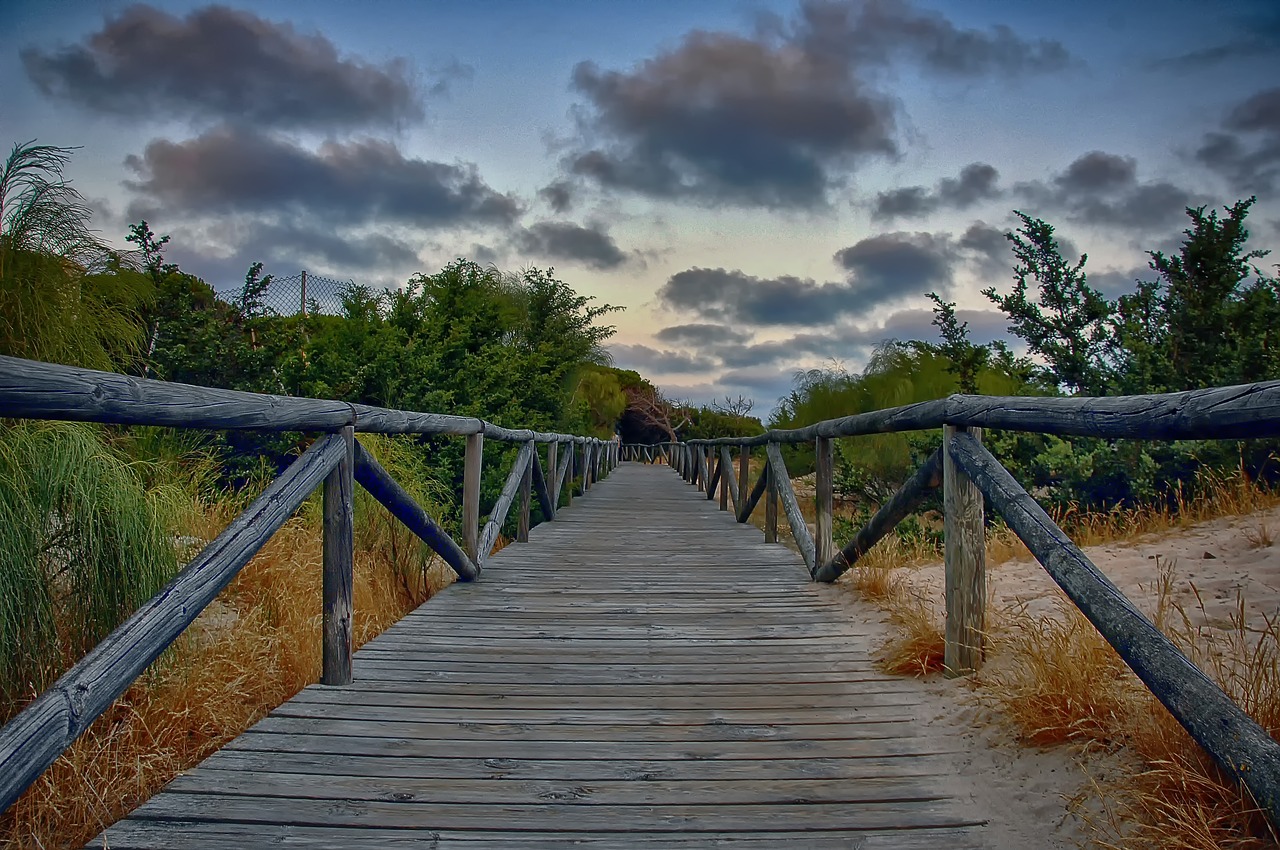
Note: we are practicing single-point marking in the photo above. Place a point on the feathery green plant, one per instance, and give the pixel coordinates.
(83, 542)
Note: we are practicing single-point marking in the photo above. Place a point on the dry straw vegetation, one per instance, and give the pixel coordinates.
(253, 648)
(1055, 681)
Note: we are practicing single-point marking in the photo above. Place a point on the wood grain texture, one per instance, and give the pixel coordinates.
(498, 516)
(795, 517)
(31, 741)
(526, 497)
(1239, 745)
(338, 566)
(473, 465)
(965, 555)
(707, 695)
(823, 497)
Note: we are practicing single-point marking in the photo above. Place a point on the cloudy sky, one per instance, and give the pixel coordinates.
(764, 186)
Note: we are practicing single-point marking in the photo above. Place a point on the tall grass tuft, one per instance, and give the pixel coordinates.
(84, 540)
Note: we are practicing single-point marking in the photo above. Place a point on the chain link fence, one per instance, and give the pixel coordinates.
(306, 294)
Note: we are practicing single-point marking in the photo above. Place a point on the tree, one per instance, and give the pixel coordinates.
(1067, 322)
(966, 359)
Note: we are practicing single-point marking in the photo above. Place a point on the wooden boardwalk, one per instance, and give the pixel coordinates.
(644, 673)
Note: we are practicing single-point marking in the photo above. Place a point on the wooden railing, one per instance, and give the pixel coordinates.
(967, 473)
(42, 731)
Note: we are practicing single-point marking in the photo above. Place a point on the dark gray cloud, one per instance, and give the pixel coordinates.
(224, 64)
(976, 182)
(648, 360)
(696, 334)
(889, 266)
(1103, 189)
(988, 247)
(234, 170)
(780, 117)
(1246, 151)
(882, 269)
(1115, 282)
(562, 240)
(558, 195)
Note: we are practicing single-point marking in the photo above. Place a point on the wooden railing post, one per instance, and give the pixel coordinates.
(571, 451)
(823, 486)
(744, 471)
(770, 506)
(726, 472)
(526, 499)
(553, 472)
(338, 563)
(472, 464)
(966, 563)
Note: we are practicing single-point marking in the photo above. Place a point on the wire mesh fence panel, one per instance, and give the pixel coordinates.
(306, 294)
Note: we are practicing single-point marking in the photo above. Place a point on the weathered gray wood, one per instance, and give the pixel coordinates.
(37, 390)
(526, 496)
(966, 564)
(771, 503)
(682, 703)
(925, 480)
(823, 497)
(1241, 747)
(338, 566)
(31, 741)
(569, 471)
(498, 515)
(473, 464)
(541, 487)
(730, 480)
(715, 470)
(762, 484)
(795, 517)
(370, 475)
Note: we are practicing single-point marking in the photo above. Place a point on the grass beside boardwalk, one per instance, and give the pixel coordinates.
(1054, 681)
(253, 648)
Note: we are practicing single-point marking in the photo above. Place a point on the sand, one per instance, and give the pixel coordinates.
(1025, 793)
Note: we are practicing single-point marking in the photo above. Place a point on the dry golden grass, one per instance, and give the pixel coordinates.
(253, 648)
(1056, 681)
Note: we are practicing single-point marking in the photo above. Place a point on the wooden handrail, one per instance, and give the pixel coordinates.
(968, 472)
(32, 740)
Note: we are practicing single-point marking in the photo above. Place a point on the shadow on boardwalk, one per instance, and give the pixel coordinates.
(644, 673)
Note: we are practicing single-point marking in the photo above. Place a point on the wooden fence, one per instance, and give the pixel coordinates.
(32, 740)
(967, 473)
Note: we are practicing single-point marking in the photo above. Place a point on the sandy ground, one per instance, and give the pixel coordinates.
(1025, 792)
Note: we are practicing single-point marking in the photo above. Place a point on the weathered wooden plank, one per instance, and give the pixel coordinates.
(31, 741)
(228, 835)
(472, 466)
(1236, 742)
(379, 483)
(526, 497)
(799, 528)
(498, 515)
(824, 493)
(925, 480)
(966, 564)
(338, 565)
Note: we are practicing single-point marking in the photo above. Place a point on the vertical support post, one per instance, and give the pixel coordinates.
(526, 499)
(823, 544)
(744, 471)
(302, 306)
(569, 473)
(966, 563)
(471, 466)
(338, 561)
(553, 450)
(726, 469)
(770, 506)
(700, 473)
(588, 451)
